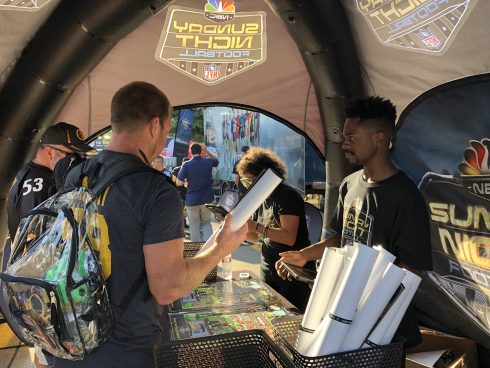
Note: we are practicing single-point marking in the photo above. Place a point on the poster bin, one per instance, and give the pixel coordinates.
(386, 356)
(244, 349)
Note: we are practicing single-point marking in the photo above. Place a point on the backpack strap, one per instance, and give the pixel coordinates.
(98, 176)
(120, 310)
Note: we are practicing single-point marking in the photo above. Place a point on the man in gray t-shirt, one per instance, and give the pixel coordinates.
(144, 232)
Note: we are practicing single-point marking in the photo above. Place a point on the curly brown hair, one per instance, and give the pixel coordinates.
(258, 159)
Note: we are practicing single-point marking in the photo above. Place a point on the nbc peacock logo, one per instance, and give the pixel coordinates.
(475, 167)
(219, 11)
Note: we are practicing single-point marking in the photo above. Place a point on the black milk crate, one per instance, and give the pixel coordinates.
(244, 349)
(190, 250)
(386, 356)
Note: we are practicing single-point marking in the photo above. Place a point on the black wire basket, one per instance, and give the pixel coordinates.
(386, 356)
(244, 349)
(190, 250)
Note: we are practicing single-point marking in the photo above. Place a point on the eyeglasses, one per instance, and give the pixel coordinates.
(247, 181)
(59, 150)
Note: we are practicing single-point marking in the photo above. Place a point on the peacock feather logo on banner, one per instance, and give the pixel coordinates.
(476, 158)
(219, 11)
(475, 168)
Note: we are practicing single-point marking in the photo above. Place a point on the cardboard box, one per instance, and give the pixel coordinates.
(465, 355)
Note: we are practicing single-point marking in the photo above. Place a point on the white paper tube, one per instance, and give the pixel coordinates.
(371, 308)
(326, 279)
(252, 200)
(383, 260)
(348, 250)
(395, 313)
(328, 338)
(390, 332)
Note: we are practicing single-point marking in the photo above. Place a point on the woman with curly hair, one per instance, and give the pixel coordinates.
(279, 225)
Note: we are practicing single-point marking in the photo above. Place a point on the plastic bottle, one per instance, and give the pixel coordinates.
(226, 272)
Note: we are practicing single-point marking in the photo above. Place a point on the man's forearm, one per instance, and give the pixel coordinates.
(210, 154)
(198, 267)
(315, 251)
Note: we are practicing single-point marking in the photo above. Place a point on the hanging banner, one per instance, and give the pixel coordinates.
(459, 209)
(213, 44)
(427, 26)
(443, 144)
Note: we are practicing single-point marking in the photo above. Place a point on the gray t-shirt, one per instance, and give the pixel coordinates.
(142, 208)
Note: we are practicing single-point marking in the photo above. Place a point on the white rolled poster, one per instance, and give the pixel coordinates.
(386, 328)
(383, 260)
(252, 200)
(372, 306)
(326, 279)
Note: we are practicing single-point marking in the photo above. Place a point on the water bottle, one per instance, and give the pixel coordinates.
(226, 272)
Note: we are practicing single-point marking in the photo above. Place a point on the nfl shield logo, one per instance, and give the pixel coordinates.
(211, 72)
(429, 38)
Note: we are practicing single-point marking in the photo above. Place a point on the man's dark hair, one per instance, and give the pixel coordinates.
(196, 149)
(375, 110)
(137, 102)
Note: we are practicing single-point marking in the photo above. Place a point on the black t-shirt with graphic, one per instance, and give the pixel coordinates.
(391, 213)
(139, 209)
(31, 188)
(284, 200)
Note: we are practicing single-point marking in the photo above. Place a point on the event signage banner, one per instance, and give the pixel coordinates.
(427, 26)
(459, 209)
(442, 143)
(213, 44)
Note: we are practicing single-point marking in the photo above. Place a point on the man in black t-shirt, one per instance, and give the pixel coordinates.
(34, 183)
(378, 205)
(141, 232)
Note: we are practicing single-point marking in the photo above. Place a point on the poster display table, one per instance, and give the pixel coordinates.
(199, 324)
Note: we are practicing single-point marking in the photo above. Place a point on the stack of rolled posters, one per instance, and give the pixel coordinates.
(252, 200)
(358, 300)
(385, 330)
(330, 334)
(330, 270)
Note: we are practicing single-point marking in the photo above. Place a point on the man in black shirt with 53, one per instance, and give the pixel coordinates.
(379, 204)
(34, 183)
